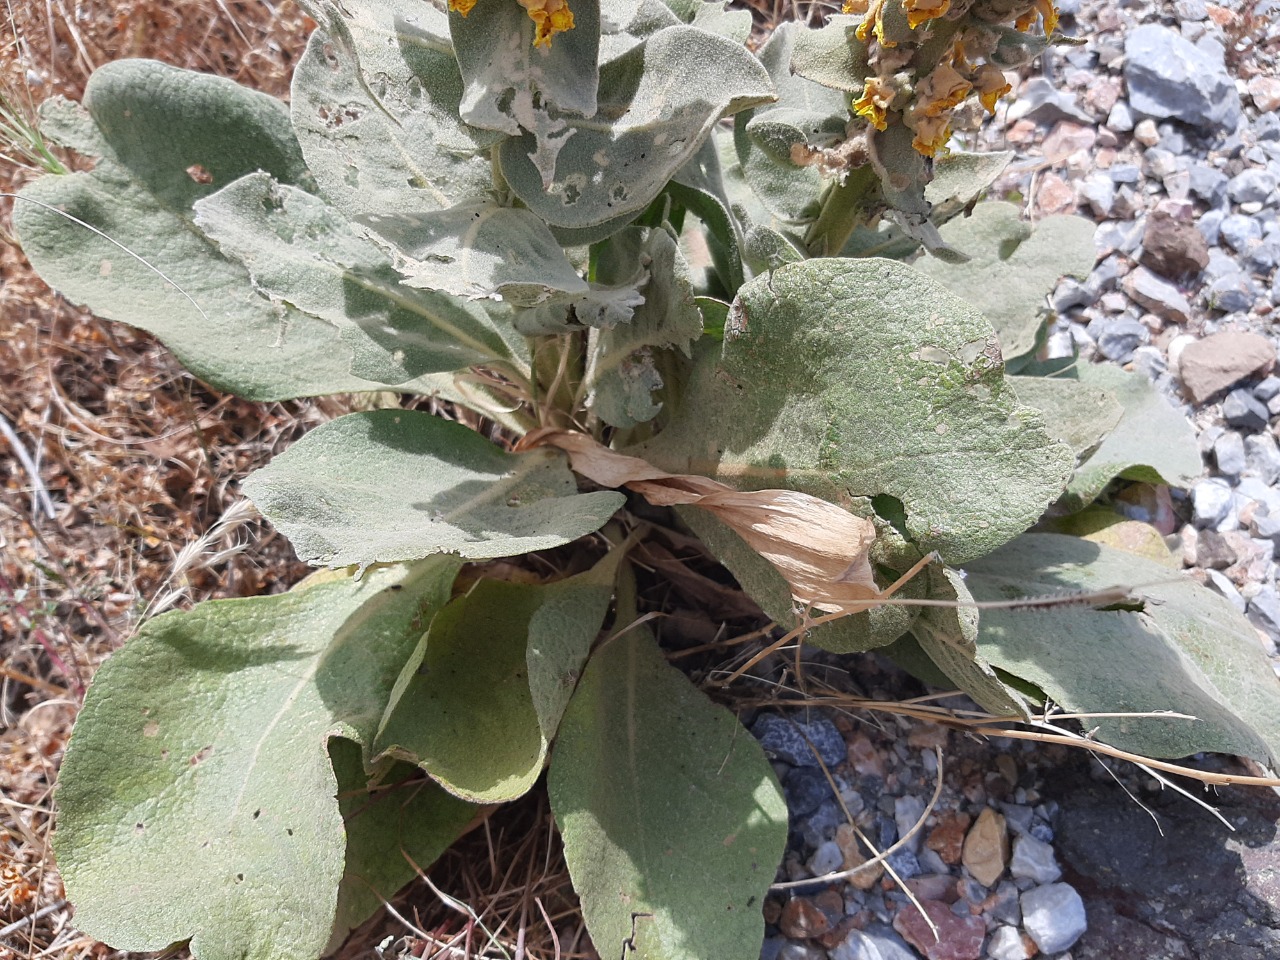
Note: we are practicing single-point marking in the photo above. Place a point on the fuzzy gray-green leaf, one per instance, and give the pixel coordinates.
(202, 744)
(198, 302)
(301, 251)
(673, 821)
(857, 378)
(658, 102)
(1187, 650)
(401, 484)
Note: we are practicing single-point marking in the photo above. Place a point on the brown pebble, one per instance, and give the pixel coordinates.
(947, 838)
(986, 848)
(802, 920)
(850, 847)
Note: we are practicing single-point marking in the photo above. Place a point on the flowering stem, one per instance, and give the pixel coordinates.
(847, 206)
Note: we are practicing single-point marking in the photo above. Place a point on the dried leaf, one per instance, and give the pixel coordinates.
(819, 548)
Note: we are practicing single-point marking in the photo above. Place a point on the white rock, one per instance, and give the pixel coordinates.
(1054, 916)
(1034, 860)
(1006, 944)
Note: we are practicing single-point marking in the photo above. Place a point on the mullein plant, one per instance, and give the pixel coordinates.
(654, 266)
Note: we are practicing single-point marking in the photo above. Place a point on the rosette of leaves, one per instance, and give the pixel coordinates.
(554, 237)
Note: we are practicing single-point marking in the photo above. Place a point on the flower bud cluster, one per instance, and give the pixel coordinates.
(929, 56)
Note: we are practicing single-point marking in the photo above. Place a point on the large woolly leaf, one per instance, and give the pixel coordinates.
(302, 252)
(673, 822)
(375, 106)
(1152, 441)
(621, 372)
(805, 114)
(658, 102)
(496, 669)
(202, 305)
(197, 799)
(1080, 414)
(516, 86)
(480, 250)
(401, 484)
(831, 55)
(859, 378)
(390, 820)
(1185, 650)
(1011, 268)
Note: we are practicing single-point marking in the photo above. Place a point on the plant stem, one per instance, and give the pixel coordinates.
(846, 207)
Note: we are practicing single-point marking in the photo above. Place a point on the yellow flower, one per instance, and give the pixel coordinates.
(874, 103)
(874, 20)
(941, 90)
(1043, 9)
(549, 16)
(991, 85)
(855, 6)
(921, 11)
(462, 6)
(932, 133)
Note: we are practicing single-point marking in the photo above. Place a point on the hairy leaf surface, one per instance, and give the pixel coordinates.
(197, 799)
(854, 379)
(480, 700)
(1186, 650)
(199, 303)
(673, 821)
(300, 251)
(658, 102)
(402, 484)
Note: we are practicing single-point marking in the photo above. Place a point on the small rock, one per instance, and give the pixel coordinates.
(1055, 195)
(1234, 293)
(1251, 186)
(1041, 100)
(1242, 410)
(1173, 248)
(1099, 191)
(1171, 78)
(1214, 551)
(1209, 184)
(947, 838)
(1212, 501)
(785, 739)
(1054, 916)
(1264, 611)
(1118, 339)
(874, 943)
(1067, 138)
(958, 938)
(1267, 388)
(828, 858)
(904, 863)
(801, 951)
(851, 850)
(1265, 92)
(806, 789)
(1034, 860)
(1120, 119)
(1267, 527)
(1222, 360)
(1222, 584)
(802, 920)
(1228, 451)
(986, 848)
(1159, 296)
(1146, 133)
(1006, 944)
(1239, 231)
(907, 812)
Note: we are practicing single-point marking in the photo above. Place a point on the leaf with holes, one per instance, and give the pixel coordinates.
(300, 251)
(401, 484)
(203, 743)
(162, 274)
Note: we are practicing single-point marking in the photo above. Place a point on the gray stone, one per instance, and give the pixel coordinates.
(1120, 119)
(1158, 295)
(826, 859)
(1214, 551)
(1209, 184)
(1054, 916)
(874, 943)
(1267, 388)
(1117, 339)
(1263, 456)
(904, 864)
(794, 950)
(1211, 501)
(1006, 944)
(1099, 191)
(1221, 264)
(907, 812)
(785, 739)
(1210, 225)
(771, 949)
(1071, 293)
(1044, 102)
(1264, 611)
(1234, 293)
(1222, 584)
(1125, 173)
(1265, 256)
(1237, 230)
(1228, 452)
(1034, 860)
(1170, 78)
(1267, 127)
(1251, 186)
(806, 789)
(820, 825)
(1241, 409)
(1266, 526)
